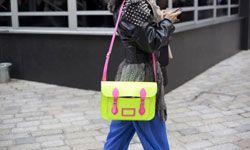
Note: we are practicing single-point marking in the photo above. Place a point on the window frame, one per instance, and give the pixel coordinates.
(72, 14)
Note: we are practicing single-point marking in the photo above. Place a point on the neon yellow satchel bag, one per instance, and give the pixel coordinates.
(123, 100)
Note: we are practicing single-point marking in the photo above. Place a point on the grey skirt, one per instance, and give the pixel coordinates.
(144, 72)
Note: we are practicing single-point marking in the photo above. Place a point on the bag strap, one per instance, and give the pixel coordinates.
(105, 69)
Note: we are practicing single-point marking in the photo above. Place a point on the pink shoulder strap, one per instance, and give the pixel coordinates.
(105, 69)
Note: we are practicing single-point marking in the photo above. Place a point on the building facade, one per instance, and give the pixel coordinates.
(65, 41)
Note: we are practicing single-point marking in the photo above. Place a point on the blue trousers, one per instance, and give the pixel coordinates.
(152, 134)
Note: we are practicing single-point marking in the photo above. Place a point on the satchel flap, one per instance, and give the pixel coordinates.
(128, 88)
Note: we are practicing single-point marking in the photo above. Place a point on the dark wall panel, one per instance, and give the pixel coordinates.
(197, 50)
(77, 60)
(70, 60)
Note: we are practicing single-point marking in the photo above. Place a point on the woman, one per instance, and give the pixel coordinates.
(143, 29)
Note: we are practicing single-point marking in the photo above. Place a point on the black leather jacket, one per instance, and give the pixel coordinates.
(140, 42)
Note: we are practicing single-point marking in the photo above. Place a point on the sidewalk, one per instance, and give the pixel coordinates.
(210, 112)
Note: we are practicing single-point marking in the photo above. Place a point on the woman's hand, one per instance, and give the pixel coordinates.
(172, 14)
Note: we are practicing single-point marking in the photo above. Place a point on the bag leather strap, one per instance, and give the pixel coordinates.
(105, 69)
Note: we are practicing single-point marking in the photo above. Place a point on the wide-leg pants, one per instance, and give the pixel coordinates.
(152, 134)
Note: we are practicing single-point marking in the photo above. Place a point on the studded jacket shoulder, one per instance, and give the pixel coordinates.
(140, 31)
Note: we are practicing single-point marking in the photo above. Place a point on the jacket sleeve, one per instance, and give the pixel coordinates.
(152, 36)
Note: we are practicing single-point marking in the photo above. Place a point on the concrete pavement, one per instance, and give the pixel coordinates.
(210, 112)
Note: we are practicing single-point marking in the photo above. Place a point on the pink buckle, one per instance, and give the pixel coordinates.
(143, 95)
(116, 95)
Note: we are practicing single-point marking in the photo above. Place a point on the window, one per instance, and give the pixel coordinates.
(205, 2)
(222, 12)
(234, 10)
(222, 2)
(85, 19)
(42, 5)
(42, 13)
(205, 14)
(186, 16)
(5, 21)
(95, 21)
(91, 5)
(183, 3)
(92, 15)
(4, 5)
(188, 10)
(43, 21)
(234, 1)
